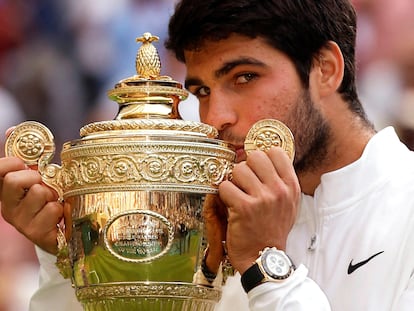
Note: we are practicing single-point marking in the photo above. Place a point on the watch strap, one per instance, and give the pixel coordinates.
(210, 276)
(251, 278)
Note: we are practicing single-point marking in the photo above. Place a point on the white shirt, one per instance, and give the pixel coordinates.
(355, 236)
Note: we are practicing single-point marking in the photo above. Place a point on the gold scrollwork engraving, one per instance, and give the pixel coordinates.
(149, 124)
(127, 167)
(148, 290)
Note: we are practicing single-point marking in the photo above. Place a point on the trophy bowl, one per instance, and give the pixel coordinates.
(135, 187)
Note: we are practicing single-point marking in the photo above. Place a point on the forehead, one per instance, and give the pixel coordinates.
(212, 54)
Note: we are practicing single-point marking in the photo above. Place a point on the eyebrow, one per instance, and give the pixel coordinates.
(228, 66)
(225, 69)
(192, 81)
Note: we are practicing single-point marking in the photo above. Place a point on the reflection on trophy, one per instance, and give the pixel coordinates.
(135, 186)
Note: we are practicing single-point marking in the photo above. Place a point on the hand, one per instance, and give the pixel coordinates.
(215, 222)
(262, 200)
(28, 204)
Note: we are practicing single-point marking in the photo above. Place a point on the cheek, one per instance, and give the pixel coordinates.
(275, 100)
(202, 112)
(273, 107)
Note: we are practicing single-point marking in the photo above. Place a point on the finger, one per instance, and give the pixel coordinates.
(283, 164)
(22, 213)
(232, 196)
(67, 217)
(218, 208)
(16, 184)
(9, 130)
(36, 197)
(263, 167)
(215, 229)
(43, 227)
(215, 215)
(9, 164)
(245, 178)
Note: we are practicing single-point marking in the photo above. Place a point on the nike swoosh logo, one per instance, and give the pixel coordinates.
(353, 267)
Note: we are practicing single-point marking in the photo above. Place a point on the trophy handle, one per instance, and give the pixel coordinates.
(34, 143)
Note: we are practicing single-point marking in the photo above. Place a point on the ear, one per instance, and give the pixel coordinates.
(328, 69)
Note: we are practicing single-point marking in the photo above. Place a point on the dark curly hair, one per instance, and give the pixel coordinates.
(299, 28)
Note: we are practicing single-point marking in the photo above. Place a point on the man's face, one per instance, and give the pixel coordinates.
(240, 81)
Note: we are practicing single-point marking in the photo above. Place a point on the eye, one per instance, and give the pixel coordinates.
(246, 78)
(201, 91)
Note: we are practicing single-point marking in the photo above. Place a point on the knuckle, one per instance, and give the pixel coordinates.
(238, 168)
(42, 191)
(55, 209)
(10, 180)
(5, 214)
(38, 189)
(12, 163)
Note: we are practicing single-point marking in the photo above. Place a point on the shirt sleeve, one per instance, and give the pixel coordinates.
(296, 293)
(200, 279)
(406, 301)
(54, 292)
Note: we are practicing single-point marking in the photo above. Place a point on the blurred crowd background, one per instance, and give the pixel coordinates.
(58, 59)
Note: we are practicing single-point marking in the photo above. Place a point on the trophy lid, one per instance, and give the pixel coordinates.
(148, 100)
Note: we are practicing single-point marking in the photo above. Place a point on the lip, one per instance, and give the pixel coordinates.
(240, 154)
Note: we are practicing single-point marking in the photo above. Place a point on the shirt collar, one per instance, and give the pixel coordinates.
(348, 184)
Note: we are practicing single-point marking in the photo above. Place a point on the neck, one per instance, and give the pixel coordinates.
(346, 145)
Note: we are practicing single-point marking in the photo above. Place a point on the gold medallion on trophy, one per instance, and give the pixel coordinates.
(29, 141)
(268, 133)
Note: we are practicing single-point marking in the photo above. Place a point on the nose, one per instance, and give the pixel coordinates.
(219, 111)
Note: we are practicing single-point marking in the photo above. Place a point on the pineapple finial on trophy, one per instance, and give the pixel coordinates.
(147, 62)
(148, 94)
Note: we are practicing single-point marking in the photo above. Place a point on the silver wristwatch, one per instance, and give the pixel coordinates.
(273, 265)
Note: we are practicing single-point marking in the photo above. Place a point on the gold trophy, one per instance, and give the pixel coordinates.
(135, 187)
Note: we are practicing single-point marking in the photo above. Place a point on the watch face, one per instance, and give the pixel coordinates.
(276, 264)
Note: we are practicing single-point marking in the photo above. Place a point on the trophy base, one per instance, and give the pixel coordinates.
(148, 296)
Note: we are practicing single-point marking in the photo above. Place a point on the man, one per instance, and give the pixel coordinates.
(343, 212)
